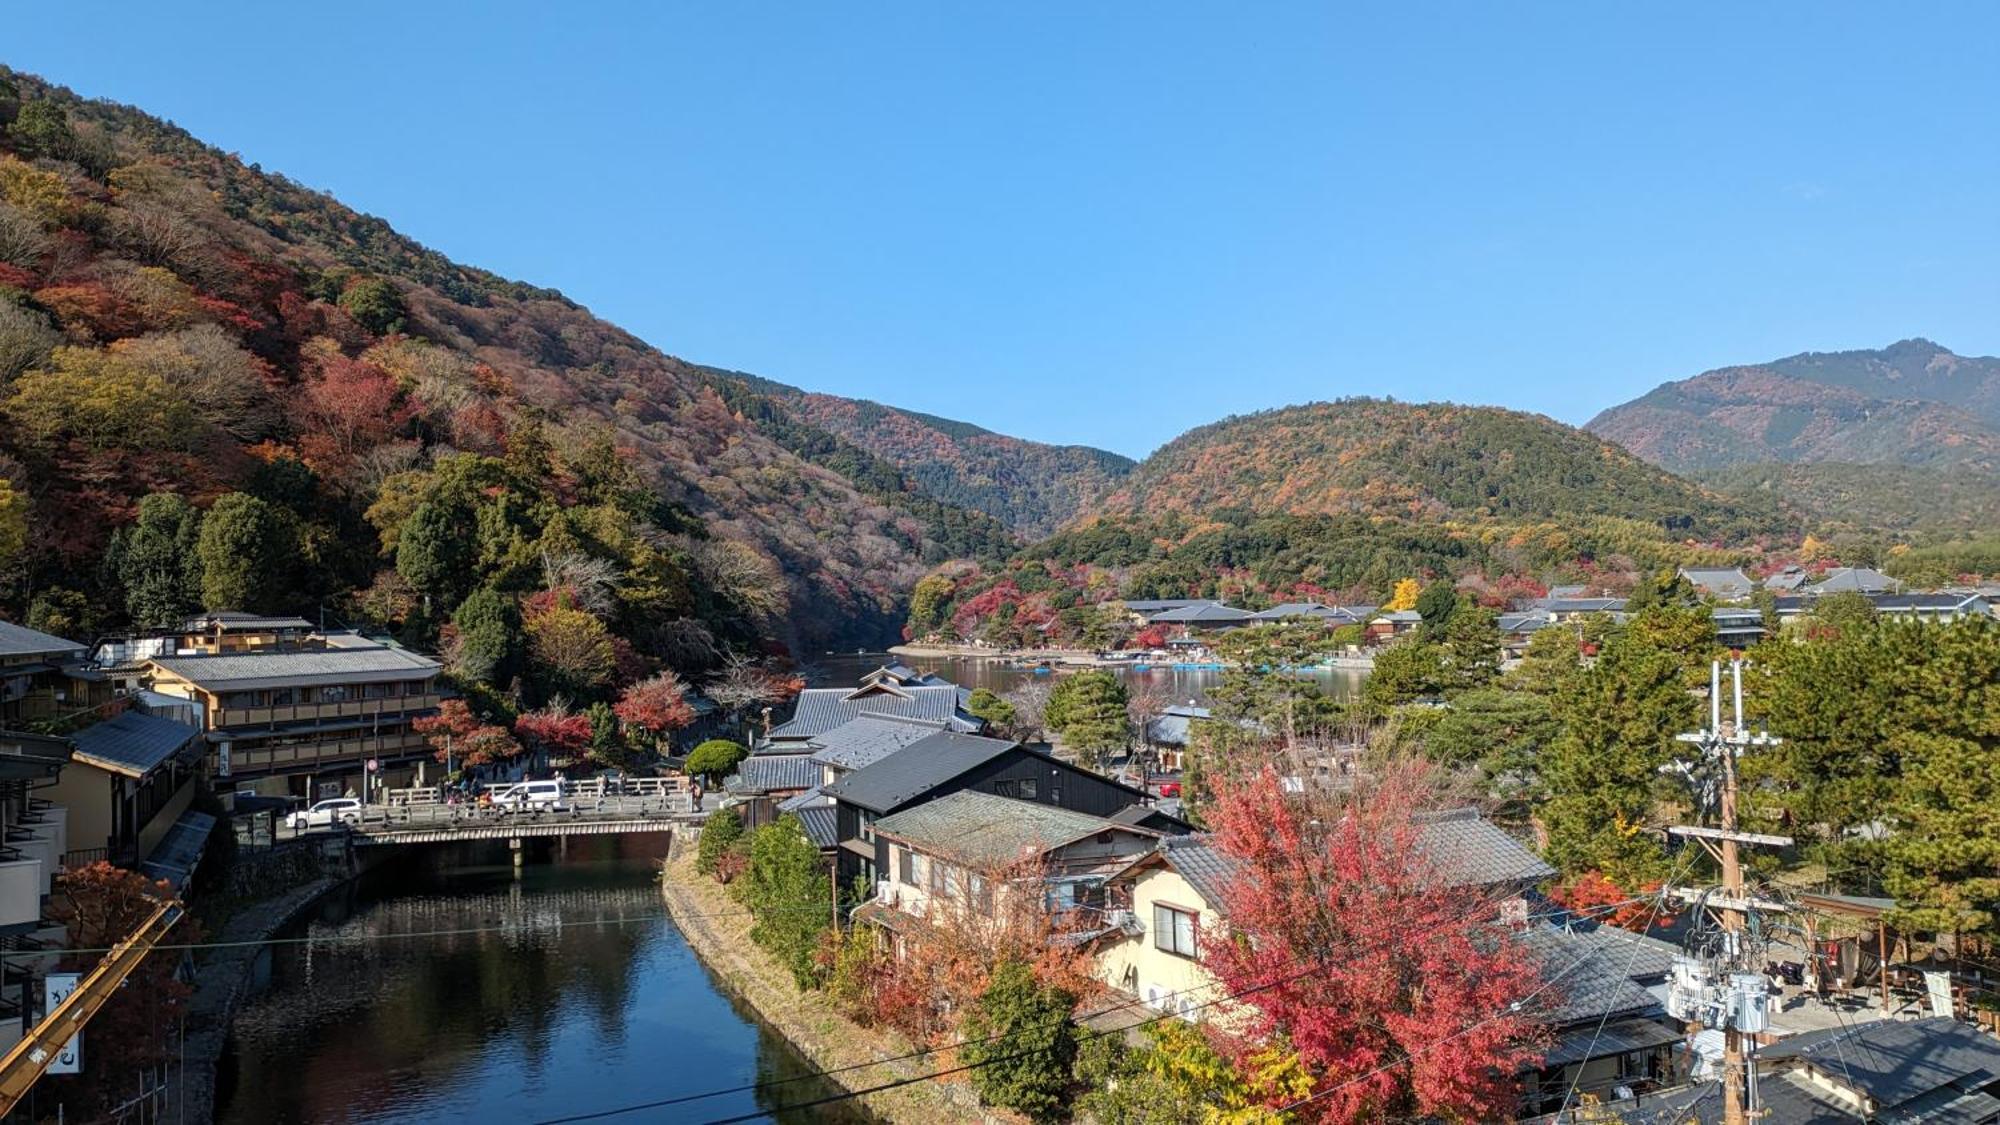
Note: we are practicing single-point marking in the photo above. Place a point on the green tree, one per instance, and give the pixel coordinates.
(434, 552)
(1021, 1043)
(715, 758)
(929, 604)
(719, 834)
(1501, 733)
(247, 549)
(1849, 609)
(998, 713)
(1619, 718)
(62, 612)
(13, 524)
(787, 892)
(1437, 605)
(375, 304)
(1088, 710)
(1943, 860)
(42, 129)
(487, 625)
(1404, 673)
(157, 562)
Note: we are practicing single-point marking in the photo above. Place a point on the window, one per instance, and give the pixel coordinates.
(918, 872)
(905, 860)
(283, 697)
(333, 693)
(1022, 789)
(1173, 929)
(982, 893)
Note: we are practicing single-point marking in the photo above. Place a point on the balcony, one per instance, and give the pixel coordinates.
(251, 761)
(239, 718)
(20, 888)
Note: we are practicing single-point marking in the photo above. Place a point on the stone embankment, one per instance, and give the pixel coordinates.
(224, 974)
(718, 929)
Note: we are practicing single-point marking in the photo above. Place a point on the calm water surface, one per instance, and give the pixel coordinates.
(837, 669)
(551, 1006)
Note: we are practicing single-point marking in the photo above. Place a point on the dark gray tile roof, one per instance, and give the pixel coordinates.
(1864, 579)
(133, 743)
(985, 832)
(1526, 621)
(766, 773)
(230, 619)
(1205, 868)
(1721, 581)
(868, 739)
(1209, 613)
(1473, 851)
(916, 769)
(1158, 605)
(1896, 1062)
(19, 640)
(250, 670)
(819, 710)
(1590, 1040)
(1171, 727)
(1580, 605)
(1590, 977)
(821, 824)
(811, 798)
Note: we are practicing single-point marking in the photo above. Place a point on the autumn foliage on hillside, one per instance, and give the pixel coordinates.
(173, 321)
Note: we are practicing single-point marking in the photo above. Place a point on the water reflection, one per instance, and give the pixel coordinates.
(440, 988)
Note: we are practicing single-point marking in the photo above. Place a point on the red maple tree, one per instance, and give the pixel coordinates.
(656, 705)
(1393, 986)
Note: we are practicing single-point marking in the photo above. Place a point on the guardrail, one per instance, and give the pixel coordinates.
(431, 817)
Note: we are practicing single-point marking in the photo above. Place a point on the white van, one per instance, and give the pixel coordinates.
(537, 795)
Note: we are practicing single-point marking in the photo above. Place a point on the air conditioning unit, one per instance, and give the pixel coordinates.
(1119, 918)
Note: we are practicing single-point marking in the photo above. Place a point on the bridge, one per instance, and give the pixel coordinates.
(421, 816)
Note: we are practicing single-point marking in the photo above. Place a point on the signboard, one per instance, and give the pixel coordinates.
(1937, 986)
(222, 759)
(56, 988)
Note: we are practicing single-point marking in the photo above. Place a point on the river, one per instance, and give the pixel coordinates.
(836, 669)
(442, 988)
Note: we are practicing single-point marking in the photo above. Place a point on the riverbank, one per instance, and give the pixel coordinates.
(717, 928)
(222, 980)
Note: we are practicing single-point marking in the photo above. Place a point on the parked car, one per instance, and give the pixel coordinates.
(539, 795)
(326, 814)
(1170, 788)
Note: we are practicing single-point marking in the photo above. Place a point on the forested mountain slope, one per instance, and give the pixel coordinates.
(1913, 403)
(1429, 461)
(174, 319)
(1030, 486)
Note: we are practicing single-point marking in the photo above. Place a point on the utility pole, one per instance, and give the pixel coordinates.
(1723, 986)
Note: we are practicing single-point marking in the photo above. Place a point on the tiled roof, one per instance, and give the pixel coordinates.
(821, 824)
(1723, 581)
(1580, 605)
(1400, 616)
(1157, 605)
(811, 798)
(179, 851)
(1526, 621)
(768, 772)
(229, 619)
(916, 769)
(1896, 1062)
(869, 739)
(985, 832)
(250, 670)
(1864, 579)
(1474, 852)
(819, 710)
(1171, 727)
(1471, 852)
(19, 640)
(133, 744)
(1208, 613)
(1589, 975)
(1206, 869)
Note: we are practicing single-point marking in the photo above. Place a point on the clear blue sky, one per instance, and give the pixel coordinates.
(1105, 223)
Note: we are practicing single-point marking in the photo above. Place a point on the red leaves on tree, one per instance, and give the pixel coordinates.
(555, 727)
(459, 736)
(1593, 893)
(1379, 960)
(352, 406)
(101, 905)
(656, 705)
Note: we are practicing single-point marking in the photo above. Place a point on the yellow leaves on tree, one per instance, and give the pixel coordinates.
(1405, 595)
(101, 400)
(13, 523)
(1814, 549)
(41, 194)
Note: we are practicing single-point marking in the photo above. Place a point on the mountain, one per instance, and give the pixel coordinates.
(1956, 499)
(172, 318)
(1429, 461)
(1031, 487)
(1912, 403)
